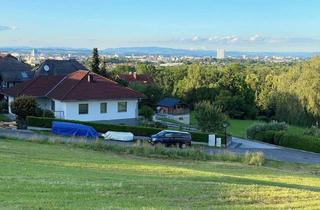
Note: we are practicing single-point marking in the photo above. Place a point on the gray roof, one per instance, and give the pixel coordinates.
(58, 67)
(13, 70)
(171, 102)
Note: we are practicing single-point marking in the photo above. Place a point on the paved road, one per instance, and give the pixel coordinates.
(276, 152)
(239, 146)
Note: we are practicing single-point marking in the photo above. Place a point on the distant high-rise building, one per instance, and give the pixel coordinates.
(220, 53)
(34, 53)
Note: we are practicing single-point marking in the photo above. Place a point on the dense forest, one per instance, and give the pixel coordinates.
(287, 92)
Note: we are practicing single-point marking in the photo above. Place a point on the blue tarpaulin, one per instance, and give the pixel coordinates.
(73, 129)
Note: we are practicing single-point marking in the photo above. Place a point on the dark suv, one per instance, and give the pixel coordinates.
(171, 138)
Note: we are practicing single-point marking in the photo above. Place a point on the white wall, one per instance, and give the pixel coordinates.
(71, 110)
(60, 109)
(43, 103)
(10, 99)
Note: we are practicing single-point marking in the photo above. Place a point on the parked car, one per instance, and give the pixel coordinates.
(171, 138)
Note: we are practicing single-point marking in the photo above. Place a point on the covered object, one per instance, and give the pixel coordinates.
(73, 129)
(118, 136)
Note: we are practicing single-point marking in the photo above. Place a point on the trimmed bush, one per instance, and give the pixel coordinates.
(257, 128)
(3, 106)
(281, 138)
(313, 131)
(308, 143)
(277, 136)
(44, 113)
(147, 112)
(265, 136)
(44, 122)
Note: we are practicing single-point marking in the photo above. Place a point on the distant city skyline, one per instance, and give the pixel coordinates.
(233, 25)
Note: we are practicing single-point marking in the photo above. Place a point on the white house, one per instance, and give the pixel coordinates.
(81, 95)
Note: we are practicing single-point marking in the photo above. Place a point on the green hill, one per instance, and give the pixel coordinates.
(35, 176)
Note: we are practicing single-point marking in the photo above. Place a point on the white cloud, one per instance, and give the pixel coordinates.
(252, 42)
(254, 38)
(8, 28)
(195, 38)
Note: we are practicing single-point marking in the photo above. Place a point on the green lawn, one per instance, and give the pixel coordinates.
(42, 176)
(3, 118)
(238, 128)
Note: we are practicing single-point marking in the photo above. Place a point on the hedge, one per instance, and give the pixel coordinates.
(281, 138)
(43, 122)
(262, 127)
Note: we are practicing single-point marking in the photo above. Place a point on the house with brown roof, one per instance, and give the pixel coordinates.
(81, 95)
(133, 77)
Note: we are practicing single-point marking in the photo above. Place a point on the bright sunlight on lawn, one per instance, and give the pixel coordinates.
(45, 176)
(238, 128)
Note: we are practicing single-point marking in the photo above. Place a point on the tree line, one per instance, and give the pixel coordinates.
(287, 92)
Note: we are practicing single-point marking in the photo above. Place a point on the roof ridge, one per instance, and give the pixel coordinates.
(114, 82)
(56, 85)
(65, 95)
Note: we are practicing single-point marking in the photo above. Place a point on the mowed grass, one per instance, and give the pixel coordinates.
(238, 128)
(42, 176)
(3, 118)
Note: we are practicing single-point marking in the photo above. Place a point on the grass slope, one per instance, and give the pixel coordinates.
(35, 176)
(238, 128)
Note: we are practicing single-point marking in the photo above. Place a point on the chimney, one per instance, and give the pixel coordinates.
(90, 77)
(135, 75)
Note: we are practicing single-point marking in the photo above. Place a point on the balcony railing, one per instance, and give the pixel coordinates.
(59, 114)
(174, 112)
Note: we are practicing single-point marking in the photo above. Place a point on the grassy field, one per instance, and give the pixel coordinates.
(238, 128)
(3, 117)
(42, 176)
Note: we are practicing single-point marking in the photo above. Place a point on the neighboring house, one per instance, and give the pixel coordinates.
(175, 109)
(133, 77)
(13, 71)
(83, 96)
(57, 67)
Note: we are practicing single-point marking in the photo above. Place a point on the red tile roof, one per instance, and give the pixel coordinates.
(133, 77)
(80, 85)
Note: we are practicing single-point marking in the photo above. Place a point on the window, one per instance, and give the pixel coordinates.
(122, 106)
(10, 84)
(103, 108)
(24, 75)
(168, 135)
(83, 108)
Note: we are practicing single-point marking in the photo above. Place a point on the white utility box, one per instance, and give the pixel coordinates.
(218, 143)
(212, 140)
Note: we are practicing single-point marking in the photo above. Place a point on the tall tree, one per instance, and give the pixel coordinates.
(95, 63)
(103, 70)
(209, 116)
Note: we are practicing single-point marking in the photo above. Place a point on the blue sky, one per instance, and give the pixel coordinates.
(243, 25)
